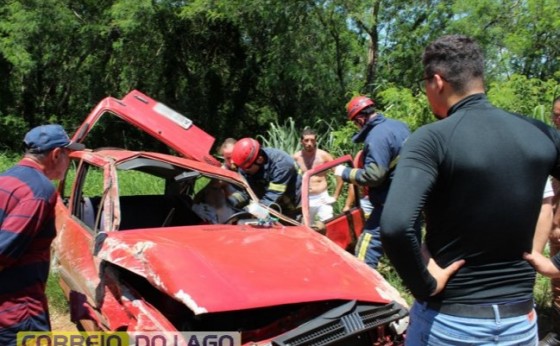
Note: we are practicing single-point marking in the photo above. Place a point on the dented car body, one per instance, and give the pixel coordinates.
(141, 256)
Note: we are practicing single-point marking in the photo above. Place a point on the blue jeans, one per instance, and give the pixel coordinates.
(429, 327)
(368, 248)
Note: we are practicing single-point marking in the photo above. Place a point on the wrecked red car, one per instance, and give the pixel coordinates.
(146, 243)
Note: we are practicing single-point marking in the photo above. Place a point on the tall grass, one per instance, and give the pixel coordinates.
(57, 301)
(282, 136)
(330, 137)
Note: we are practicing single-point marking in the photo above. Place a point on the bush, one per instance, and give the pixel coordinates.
(527, 96)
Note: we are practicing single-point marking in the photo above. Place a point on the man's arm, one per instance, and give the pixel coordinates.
(546, 229)
(544, 225)
(545, 266)
(549, 267)
(554, 135)
(400, 229)
(350, 199)
(377, 165)
(238, 198)
(280, 177)
(371, 175)
(414, 177)
(327, 157)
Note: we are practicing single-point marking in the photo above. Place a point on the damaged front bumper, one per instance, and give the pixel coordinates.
(351, 324)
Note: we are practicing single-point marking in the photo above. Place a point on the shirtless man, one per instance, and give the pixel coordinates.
(320, 202)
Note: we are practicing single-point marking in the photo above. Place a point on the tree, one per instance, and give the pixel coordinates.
(236, 66)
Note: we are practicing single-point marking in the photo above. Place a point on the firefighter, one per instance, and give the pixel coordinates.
(383, 139)
(271, 173)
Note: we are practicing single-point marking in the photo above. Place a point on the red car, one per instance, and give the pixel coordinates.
(145, 243)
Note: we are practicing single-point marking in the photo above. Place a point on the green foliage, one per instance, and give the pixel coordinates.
(402, 104)
(55, 296)
(234, 67)
(528, 96)
(15, 129)
(287, 136)
(133, 183)
(282, 136)
(7, 160)
(340, 140)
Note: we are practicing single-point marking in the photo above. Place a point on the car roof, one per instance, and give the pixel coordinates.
(151, 161)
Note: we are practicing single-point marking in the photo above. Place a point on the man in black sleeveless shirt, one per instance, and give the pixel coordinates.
(477, 175)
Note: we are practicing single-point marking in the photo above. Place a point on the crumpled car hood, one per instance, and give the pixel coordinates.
(216, 268)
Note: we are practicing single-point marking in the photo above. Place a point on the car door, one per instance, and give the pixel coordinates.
(85, 189)
(344, 227)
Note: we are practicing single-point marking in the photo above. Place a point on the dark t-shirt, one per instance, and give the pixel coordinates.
(478, 176)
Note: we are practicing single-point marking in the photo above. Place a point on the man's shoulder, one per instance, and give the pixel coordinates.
(279, 157)
(434, 133)
(28, 182)
(325, 155)
(276, 151)
(391, 125)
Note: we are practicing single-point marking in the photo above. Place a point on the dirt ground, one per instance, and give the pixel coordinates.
(61, 322)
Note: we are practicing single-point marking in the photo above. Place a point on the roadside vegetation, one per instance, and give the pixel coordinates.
(236, 66)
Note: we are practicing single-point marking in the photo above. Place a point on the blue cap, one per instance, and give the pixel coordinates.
(47, 137)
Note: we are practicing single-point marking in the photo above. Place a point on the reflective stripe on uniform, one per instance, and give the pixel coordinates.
(394, 162)
(238, 197)
(352, 175)
(363, 246)
(277, 187)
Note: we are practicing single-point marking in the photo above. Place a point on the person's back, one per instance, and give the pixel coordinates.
(27, 203)
(478, 176)
(26, 194)
(487, 194)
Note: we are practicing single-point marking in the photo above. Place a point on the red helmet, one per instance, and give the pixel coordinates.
(358, 104)
(245, 152)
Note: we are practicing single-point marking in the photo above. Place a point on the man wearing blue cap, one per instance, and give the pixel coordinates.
(27, 228)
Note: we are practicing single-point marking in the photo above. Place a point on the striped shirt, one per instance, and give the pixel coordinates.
(27, 200)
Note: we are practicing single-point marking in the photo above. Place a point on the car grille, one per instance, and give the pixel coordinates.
(349, 324)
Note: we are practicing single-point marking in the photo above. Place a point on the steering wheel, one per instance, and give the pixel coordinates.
(233, 219)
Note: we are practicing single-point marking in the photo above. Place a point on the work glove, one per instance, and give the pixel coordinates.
(338, 170)
(257, 210)
(232, 201)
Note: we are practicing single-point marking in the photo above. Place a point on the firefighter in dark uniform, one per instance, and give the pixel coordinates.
(271, 173)
(383, 139)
